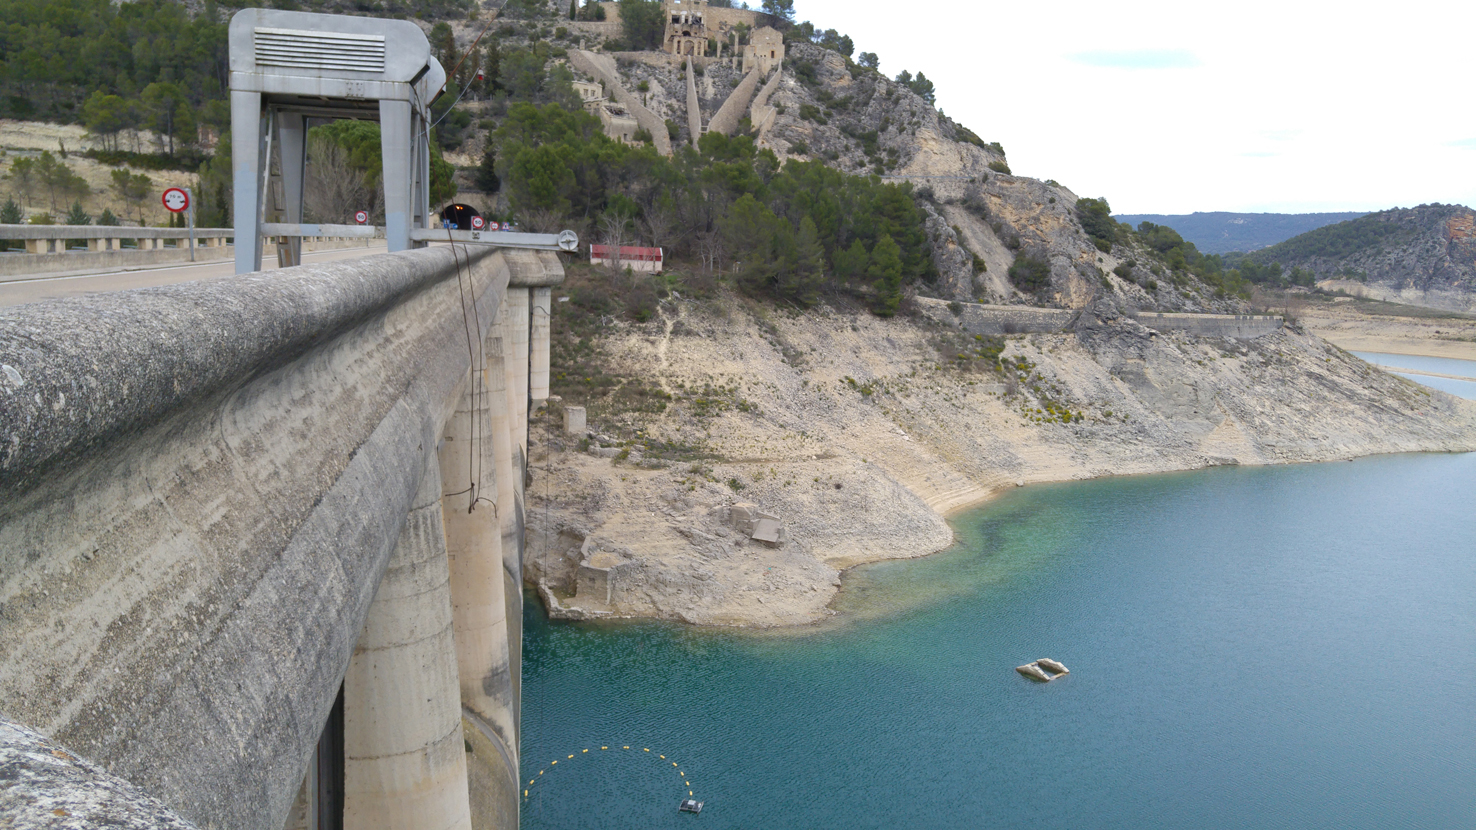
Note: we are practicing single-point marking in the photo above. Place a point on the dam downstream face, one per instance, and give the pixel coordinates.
(1258, 647)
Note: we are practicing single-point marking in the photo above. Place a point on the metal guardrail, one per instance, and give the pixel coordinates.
(108, 232)
(561, 241)
(52, 239)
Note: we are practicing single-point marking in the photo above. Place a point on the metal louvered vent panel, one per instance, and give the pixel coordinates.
(299, 49)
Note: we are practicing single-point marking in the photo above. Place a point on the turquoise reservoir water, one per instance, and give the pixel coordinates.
(1289, 647)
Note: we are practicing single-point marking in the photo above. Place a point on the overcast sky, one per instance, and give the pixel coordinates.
(1176, 107)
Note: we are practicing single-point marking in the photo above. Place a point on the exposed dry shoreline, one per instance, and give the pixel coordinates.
(1436, 334)
(854, 432)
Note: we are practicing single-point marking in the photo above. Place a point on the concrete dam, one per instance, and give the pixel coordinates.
(260, 545)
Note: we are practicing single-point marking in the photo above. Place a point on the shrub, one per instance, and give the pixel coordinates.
(799, 148)
(956, 307)
(1030, 274)
(999, 167)
(1124, 270)
(980, 266)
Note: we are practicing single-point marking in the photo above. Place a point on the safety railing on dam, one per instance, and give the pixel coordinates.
(49, 249)
(260, 544)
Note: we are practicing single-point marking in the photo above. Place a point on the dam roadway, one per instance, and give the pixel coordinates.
(29, 289)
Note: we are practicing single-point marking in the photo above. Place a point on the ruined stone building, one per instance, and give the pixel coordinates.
(618, 124)
(765, 50)
(591, 95)
(686, 27)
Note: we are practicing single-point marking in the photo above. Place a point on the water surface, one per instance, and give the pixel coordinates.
(1442, 365)
(1262, 647)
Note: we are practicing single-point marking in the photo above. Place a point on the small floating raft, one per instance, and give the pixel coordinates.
(690, 805)
(1043, 670)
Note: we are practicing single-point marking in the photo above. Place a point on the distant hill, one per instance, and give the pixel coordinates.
(1220, 232)
(1424, 255)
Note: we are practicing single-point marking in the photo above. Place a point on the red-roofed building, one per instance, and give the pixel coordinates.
(637, 259)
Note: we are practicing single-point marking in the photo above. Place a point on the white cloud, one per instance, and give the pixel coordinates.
(1167, 107)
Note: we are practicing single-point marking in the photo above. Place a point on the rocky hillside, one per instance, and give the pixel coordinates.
(858, 434)
(1421, 256)
(996, 237)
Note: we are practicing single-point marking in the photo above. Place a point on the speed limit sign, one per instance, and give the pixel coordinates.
(478, 223)
(361, 217)
(176, 200)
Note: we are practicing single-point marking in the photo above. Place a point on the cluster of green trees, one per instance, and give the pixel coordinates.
(918, 84)
(162, 64)
(791, 232)
(1173, 251)
(1367, 233)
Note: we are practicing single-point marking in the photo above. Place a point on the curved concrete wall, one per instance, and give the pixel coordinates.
(761, 115)
(603, 67)
(200, 489)
(732, 111)
(977, 318)
(694, 106)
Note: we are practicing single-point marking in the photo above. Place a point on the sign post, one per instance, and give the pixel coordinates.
(177, 200)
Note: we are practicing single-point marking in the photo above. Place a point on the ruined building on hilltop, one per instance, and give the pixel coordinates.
(686, 27)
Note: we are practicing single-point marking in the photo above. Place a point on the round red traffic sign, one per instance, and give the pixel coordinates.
(176, 200)
(361, 217)
(478, 223)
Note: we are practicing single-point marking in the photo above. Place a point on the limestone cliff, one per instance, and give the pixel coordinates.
(859, 434)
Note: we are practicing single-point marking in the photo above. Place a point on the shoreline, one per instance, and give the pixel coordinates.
(866, 448)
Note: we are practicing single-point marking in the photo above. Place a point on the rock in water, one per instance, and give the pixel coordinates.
(1033, 672)
(1052, 666)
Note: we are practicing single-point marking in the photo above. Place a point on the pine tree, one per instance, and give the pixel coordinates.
(77, 216)
(886, 273)
(803, 281)
(486, 178)
(107, 219)
(10, 214)
(573, 9)
(851, 264)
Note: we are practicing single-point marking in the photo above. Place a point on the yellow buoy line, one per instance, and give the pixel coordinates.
(528, 788)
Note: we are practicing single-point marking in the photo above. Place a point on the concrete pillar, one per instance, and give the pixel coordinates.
(115, 244)
(574, 421)
(500, 417)
(292, 150)
(540, 318)
(395, 144)
(509, 491)
(474, 547)
(247, 154)
(97, 244)
(35, 246)
(404, 756)
(479, 605)
(515, 344)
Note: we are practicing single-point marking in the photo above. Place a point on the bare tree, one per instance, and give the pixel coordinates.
(335, 189)
(710, 249)
(615, 231)
(660, 226)
(543, 220)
